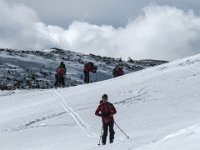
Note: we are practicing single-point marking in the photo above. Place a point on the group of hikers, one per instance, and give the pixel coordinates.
(105, 110)
(88, 68)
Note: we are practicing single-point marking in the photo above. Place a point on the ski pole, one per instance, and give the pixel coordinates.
(122, 131)
(100, 136)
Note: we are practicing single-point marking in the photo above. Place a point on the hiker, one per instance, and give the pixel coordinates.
(60, 73)
(118, 71)
(106, 110)
(89, 67)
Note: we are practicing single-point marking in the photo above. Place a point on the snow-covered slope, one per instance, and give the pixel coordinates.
(26, 69)
(157, 107)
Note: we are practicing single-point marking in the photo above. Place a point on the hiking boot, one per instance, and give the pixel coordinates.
(111, 140)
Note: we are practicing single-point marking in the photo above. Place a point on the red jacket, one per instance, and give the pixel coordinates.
(88, 68)
(120, 72)
(106, 110)
(60, 71)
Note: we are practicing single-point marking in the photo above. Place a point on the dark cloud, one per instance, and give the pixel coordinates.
(100, 12)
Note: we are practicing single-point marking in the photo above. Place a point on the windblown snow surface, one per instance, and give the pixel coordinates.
(158, 108)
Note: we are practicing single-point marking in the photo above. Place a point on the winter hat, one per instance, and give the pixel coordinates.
(105, 96)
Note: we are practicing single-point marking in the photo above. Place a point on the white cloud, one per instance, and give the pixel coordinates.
(160, 32)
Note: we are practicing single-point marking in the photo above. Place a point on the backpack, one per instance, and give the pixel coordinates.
(61, 71)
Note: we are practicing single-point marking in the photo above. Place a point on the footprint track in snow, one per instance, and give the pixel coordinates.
(73, 114)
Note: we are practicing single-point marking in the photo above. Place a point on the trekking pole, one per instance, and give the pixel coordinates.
(100, 136)
(122, 131)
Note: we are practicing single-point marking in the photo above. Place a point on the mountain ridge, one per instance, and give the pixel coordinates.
(35, 69)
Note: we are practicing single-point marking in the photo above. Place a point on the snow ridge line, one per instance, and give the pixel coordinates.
(73, 114)
(189, 131)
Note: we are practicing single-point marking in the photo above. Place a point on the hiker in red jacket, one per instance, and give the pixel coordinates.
(60, 73)
(118, 71)
(106, 110)
(89, 67)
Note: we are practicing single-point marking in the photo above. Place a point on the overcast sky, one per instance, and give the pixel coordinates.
(140, 29)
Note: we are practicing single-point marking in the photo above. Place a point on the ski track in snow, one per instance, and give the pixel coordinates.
(132, 99)
(73, 114)
(141, 95)
(193, 72)
(29, 124)
(7, 93)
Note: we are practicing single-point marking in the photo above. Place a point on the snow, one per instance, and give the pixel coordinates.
(184, 139)
(158, 108)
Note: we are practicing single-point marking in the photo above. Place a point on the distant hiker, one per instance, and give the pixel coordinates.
(60, 73)
(106, 110)
(89, 67)
(118, 71)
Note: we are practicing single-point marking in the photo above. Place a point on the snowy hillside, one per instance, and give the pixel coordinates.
(22, 69)
(157, 107)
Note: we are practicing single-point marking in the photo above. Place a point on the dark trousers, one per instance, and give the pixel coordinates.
(87, 77)
(59, 80)
(105, 131)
